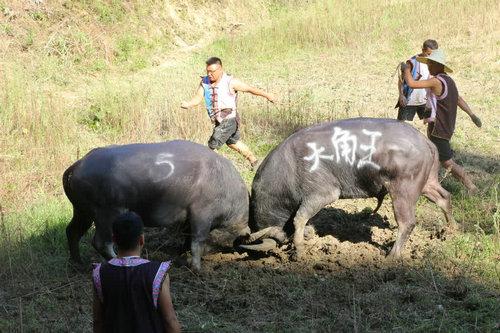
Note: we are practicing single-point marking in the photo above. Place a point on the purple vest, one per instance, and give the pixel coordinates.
(128, 289)
(445, 107)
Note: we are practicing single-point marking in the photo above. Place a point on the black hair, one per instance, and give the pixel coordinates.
(430, 44)
(127, 228)
(213, 60)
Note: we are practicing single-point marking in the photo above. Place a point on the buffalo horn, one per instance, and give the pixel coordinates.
(266, 245)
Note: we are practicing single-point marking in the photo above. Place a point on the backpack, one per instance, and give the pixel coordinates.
(406, 89)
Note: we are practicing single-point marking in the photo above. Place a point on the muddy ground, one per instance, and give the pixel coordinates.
(340, 236)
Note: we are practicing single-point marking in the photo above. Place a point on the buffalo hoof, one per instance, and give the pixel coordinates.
(196, 269)
(394, 259)
(309, 232)
(297, 256)
(194, 266)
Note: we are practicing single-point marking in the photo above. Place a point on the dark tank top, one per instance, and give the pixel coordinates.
(128, 289)
(446, 110)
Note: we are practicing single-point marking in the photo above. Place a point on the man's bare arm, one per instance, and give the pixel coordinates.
(237, 85)
(167, 308)
(402, 97)
(432, 83)
(98, 315)
(197, 98)
(464, 106)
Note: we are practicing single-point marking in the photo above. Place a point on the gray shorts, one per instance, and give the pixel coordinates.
(226, 132)
(408, 112)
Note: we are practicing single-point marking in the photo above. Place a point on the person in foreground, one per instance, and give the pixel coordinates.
(220, 92)
(132, 294)
(443, 97)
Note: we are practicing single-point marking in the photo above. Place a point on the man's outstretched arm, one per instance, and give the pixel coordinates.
(237, 85)
(464, 106)
(197, 98)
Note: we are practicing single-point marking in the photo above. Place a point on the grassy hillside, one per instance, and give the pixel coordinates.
(80, 74)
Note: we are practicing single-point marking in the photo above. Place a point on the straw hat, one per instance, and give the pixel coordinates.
(436, 56)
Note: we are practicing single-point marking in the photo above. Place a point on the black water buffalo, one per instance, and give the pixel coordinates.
(354, 158)
(165, 183)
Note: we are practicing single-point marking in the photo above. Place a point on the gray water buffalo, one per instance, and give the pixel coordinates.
(354, 158)
(165, 183)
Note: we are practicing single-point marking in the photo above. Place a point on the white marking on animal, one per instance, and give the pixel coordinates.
(344, 144)
(316, 155)
(162, 159)
(367, 160)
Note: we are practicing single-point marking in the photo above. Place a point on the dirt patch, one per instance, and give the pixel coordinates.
(336, 239)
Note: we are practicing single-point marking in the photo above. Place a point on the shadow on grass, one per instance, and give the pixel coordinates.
(490, 165)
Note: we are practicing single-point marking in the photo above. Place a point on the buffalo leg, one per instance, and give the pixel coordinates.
(78, 226)
(404, 212)
(441, 197)
(103, 242)
(299, 223)
(305, 212)
(196, 253)
(200, 229)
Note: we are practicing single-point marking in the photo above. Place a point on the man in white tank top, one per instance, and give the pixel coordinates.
(220, 90)
(411, 100)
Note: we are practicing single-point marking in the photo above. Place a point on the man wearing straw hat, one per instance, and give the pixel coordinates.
(220, 90)
(443, 99)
